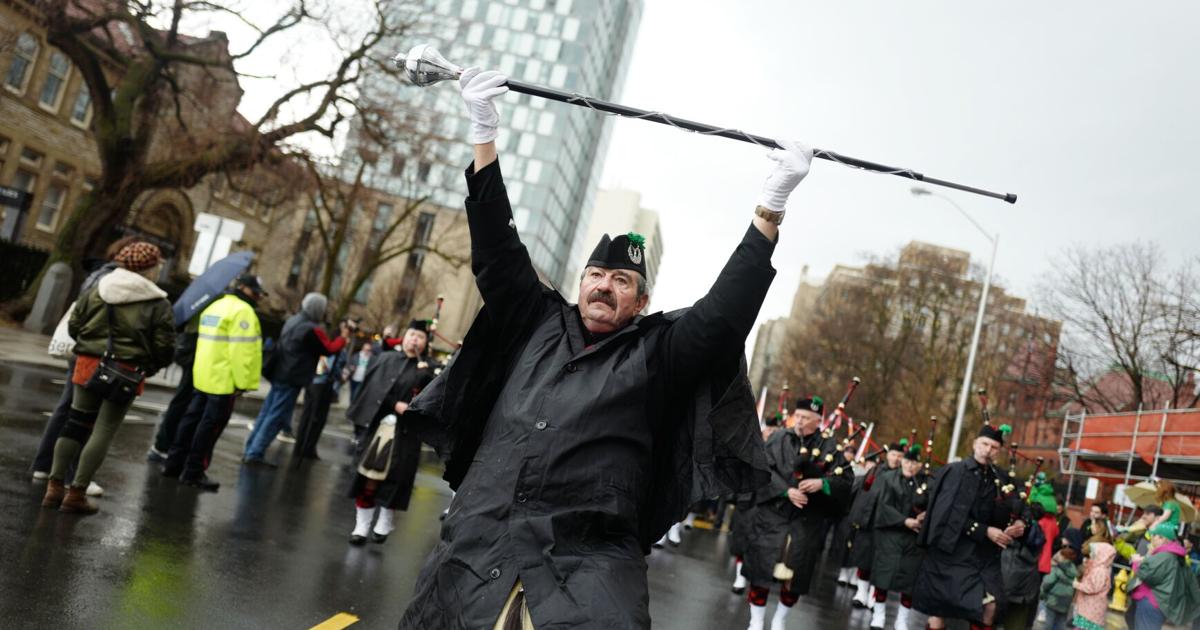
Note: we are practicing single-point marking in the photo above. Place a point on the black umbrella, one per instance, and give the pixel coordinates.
(210, 285)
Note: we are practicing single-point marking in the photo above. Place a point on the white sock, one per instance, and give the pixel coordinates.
(878, 614)
(362, 521)
(739, 580)
(757, 615)
(864, 589)
(779, 621)
(673, 534)
(902, 617)
(385, 524)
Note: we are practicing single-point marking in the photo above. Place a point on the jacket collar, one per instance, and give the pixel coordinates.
(1171, 546)
(122, 286)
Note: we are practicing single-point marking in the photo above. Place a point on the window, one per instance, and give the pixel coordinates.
(56, 78)
(383, 216)
(81, 110)
(56, 194)
(31, 157)
(546, 123)
(62, 169)
(397, 165)
(423, 171)
(475, 34)
(570, 29)
(24, 56)
(424, 228)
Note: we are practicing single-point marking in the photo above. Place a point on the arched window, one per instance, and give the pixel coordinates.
(23, 58)
(56, 79)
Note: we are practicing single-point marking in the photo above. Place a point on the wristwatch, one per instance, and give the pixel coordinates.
(769, 214)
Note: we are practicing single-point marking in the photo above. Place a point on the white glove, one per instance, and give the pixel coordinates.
(478, 91)
(791, 165)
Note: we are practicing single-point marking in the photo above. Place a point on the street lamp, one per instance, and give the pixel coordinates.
(987, 283)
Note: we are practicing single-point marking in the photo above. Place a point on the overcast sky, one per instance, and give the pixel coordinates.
(1089, 111)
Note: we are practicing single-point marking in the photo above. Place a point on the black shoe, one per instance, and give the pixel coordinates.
(258, 463)
(202, 482)
(156, 456)
(172, 472)
(378, 538)
(738, 590)
(357, 540)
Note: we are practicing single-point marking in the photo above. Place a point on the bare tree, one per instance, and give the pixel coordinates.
(1131, 326)
(358, 228)
(165, 103)
(905, 329)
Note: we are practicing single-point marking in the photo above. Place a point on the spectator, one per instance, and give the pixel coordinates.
(359, 369)
(124, 322)
(381, 344)
(1049, 525)
(291, 367)
(228, 361)
(1091, 589)
(1166, 591)
(1135, 539)
(1165, 497)
(185, 354)
(1064, 521)
(1058, 589)
(1099, 514)
(317, 399)
(44, 457)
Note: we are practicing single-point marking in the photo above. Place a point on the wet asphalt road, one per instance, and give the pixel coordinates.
(269, 550)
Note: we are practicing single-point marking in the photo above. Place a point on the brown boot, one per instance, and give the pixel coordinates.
(55, 491)
(76, 502)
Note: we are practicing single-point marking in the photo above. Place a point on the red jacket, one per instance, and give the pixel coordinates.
(1050, 528)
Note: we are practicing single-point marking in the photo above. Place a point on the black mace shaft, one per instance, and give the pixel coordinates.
(734, 134)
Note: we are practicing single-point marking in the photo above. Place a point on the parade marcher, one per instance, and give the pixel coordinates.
(966, 527)
(1058, 589)
(1020, 571)
(44, 457)
(848, 572)
(741, 532)
(387, 459)
(861, 515)
(228, 362)
(292, 365)
(840, 546)
(1091, 589)
(809, 482)
(124, 332)
(1166, 591)
(318, 398)
(577, 434)
(899, 511)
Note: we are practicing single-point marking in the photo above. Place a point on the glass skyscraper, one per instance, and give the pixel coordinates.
(550, 152)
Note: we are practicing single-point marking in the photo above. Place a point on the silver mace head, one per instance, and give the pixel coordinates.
(426, 66)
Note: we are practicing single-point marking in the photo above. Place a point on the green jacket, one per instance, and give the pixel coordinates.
(1165, 572)
(1057, 586)
(143, 326)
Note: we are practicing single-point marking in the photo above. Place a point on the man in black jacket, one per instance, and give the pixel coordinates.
(966, 527)
(810, 482)
(293, 364)
(576, 435)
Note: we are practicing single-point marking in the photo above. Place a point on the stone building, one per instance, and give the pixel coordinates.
(47, 148)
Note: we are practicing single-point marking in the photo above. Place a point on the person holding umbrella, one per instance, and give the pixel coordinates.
(228, 362)
(207, 287)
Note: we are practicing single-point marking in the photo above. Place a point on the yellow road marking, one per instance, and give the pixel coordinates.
(336, 622)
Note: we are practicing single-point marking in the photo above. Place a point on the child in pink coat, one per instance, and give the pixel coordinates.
(1091, 589)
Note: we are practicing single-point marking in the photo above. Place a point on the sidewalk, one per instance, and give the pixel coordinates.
(18, 345)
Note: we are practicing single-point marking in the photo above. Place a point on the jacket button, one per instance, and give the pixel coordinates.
(495, 574)
(571, 368)
(522, 497)
(540, 425)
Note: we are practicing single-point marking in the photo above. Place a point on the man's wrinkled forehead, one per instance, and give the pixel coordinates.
(630, 275)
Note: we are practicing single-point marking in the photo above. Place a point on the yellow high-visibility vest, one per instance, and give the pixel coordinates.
(228, 348)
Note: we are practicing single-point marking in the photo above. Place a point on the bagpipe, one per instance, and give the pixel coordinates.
(823, 460)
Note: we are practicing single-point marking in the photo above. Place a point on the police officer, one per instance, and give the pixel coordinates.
(228, 362)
